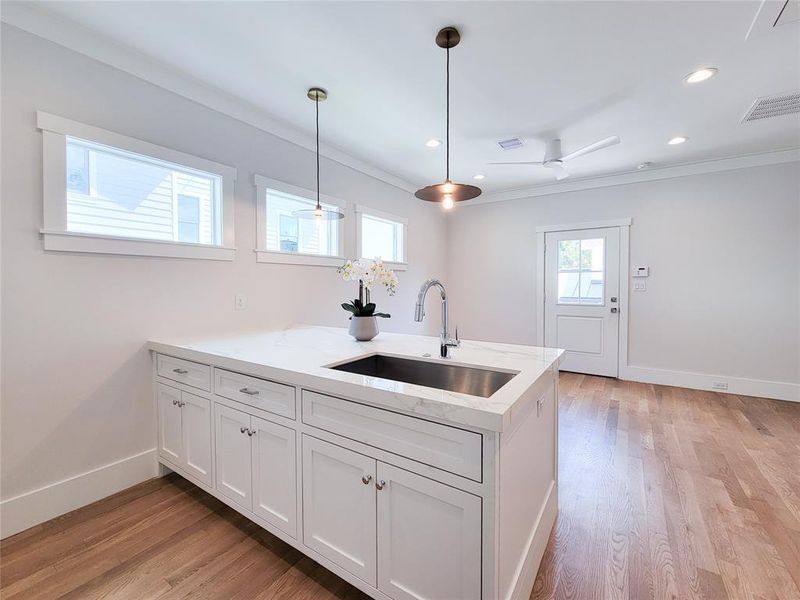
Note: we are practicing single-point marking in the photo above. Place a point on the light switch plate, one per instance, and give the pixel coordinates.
(240, 302)
(639, 285)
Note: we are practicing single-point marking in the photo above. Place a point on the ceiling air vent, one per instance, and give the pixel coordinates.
(773, 106)
(511, 143)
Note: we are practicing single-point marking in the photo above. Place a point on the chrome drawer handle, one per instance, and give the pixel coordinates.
(380, 484)
(180, 371)
(249, 392)
(366, 479)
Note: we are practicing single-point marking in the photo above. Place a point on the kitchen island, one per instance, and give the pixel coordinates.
(408, 475)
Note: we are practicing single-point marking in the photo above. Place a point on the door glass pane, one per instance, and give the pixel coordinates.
(568, 251)
(581, 271)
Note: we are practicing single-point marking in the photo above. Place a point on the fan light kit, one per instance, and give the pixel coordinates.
(678, 139)
(318, 95)
(433, 143)
(554, 158)
(448, 192)
(700, 75)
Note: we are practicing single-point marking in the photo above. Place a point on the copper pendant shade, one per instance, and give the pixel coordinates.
(321, 214)
(448, 192)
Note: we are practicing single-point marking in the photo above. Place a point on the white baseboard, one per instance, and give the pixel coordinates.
(700, 381)
(40, 505)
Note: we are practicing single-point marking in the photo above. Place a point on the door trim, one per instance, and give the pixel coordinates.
(624, 276)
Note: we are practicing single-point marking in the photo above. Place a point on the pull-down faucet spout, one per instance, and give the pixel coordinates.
(445, 343)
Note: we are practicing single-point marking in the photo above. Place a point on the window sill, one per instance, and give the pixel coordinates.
(64, 241)
(292, 258)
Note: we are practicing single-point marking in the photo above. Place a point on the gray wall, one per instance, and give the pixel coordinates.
(75, 379)
(724, 252)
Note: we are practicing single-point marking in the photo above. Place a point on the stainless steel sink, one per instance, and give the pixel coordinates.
(442, 376)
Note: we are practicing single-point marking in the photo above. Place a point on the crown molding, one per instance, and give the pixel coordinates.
(670, 172)
(80, 39)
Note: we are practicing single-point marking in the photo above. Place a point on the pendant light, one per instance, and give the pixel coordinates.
(448, 193)
(321, 214)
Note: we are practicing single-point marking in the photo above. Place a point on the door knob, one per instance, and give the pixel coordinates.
(366, 479)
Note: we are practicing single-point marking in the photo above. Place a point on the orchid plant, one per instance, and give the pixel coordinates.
(369, 274)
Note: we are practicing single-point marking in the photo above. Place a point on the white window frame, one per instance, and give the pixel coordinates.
(360, 210)
(55, 130)
(263, 255)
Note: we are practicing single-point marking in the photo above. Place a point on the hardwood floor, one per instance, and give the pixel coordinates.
(664, 493)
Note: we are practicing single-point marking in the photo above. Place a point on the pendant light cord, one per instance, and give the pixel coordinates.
(316, 106)
(447, 144)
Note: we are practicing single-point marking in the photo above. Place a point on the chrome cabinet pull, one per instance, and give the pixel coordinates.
(366, 479)
(180, 371)
(181, 404)
(174, 403)
(243, 430)
(251, 432)
(249, 392)
(380, 484)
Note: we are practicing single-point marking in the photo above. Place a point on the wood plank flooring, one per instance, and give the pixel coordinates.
(664, 493)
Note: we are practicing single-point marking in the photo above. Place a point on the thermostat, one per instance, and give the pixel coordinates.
(641, 272)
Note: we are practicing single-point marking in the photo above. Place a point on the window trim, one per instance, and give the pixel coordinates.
(360, 210)
(56, 237)
(263, 255)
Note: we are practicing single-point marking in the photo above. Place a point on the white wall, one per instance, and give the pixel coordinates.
(75, 379)
(723, 297)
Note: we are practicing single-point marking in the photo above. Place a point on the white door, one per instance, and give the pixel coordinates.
(196, 430)
(274, 474)
(581, 308)
(339, 506)
(234, 477)
(429, 538)
(170, 438)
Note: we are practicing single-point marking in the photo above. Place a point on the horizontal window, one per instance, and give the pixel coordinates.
(380, 235)
(286, 236)
(116, 193)
(104, 192)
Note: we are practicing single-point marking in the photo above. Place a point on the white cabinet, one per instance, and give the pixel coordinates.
(427, 543)
(339, 506)
(234, 478)
(184, 431)
(274, 474)
(429, 538)
(257, 467)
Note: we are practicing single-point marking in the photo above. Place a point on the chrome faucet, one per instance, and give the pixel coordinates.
(445, 343)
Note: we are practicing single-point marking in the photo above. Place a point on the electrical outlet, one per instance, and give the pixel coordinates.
(719, 385)
(240, 302)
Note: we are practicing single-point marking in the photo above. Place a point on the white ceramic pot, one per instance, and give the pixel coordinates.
(364, 328)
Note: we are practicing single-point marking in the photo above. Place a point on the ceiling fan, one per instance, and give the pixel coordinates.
(554, 159)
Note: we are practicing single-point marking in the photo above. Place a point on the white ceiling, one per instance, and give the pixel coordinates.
(580, 71)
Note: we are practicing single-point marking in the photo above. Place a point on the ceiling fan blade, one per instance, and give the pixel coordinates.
(604, 143)
(560, 172)
(537, 162)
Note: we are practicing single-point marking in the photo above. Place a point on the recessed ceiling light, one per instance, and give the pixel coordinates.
(433, 143)
(479, 176)
(700, 75)
(678, 139)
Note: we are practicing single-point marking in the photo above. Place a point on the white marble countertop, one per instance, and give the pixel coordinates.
(299, 356)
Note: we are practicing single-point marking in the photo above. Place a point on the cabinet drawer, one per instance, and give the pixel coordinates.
(185, 371)
(258, 393)
(448, 448)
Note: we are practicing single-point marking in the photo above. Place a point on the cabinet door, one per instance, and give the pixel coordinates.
(274, 474)
(196, 429)
(233, 454)
(339, 506)
(429, 538)
(170, 439)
